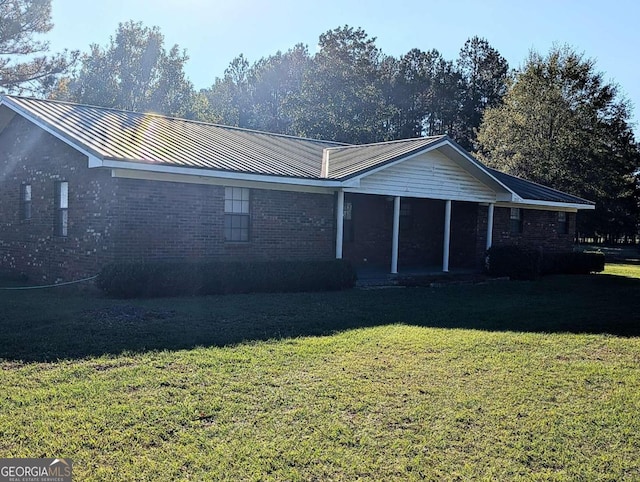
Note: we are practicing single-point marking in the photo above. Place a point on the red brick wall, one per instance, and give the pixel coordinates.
(123, 219)
(30, 155)
(464, 223)
(164, 220)
(371, 222)
(539, 230)
(421, 232)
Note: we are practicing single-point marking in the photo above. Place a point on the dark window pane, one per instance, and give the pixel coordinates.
(236, 227)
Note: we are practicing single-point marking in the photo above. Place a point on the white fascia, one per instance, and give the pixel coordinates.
(186, 174)
(54, 132)
(546, 205)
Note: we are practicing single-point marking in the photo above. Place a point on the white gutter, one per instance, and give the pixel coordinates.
(206, 173)
(93, 157)
(549, 205)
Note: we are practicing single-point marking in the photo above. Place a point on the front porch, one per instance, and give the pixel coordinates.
(393, 235)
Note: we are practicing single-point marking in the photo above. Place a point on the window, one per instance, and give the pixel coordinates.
(347, 222)
(61, 208)
(563, 225)
(25, 202)
(236, 214)
(515, 219)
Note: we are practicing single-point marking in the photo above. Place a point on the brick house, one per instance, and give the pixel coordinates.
(83, 186)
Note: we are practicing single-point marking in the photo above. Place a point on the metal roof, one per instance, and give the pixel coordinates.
(536, 192)
(348, 161)
(154, 139)
(166, 142)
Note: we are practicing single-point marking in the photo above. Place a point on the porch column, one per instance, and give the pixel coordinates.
(339, 224)
(396, 234)
(447, 236)
(490, 225)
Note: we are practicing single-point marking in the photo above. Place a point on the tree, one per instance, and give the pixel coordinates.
(420, 94)
(342, 97)
(562, 125)
(134, 72)
(277, 81)
(22, 65)
(229, 98)
(483, 72)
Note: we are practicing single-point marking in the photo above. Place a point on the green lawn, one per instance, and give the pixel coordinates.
(502, 381)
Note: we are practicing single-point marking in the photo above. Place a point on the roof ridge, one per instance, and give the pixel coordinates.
(181, 119)
(394, 141)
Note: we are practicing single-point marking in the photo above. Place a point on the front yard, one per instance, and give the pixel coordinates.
(519, 380)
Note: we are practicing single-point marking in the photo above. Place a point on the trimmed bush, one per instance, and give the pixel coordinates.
(572, 263)
(525, 263)
(516, 262)
(160, 279)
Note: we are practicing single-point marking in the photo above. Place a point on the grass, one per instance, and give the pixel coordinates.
(504, 381)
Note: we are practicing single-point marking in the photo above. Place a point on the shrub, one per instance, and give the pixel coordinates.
(516, 262)
(573, 263)
(159, 279)
(526, 263)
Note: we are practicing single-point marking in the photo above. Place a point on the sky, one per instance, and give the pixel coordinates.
(214, 32)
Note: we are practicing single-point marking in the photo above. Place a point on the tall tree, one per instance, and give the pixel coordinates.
(229, 97)
(23, 67)
(562, 125)
(342, 98)
(414, 93)
(134, 72)
(277, 81)
(483, 73)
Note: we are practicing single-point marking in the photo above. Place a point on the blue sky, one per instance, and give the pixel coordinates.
(215, 31)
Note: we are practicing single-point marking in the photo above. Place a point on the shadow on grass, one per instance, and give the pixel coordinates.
(46, 325)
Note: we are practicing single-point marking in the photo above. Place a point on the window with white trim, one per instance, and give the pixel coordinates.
(25, 202)
(61, 222)
(515, 220)
(236, 214)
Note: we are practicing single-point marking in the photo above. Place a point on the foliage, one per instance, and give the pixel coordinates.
(23, 67)
(134, 72)
(424, 94)
(563, 126)
(350, 91)
(573, 263)
(158, 279)
(504, 381)
(484, 83)
(516, 262)
(260, 96)
(342, 97)
(524, 263)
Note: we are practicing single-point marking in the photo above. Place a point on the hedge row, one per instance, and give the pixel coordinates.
(519, 262)
(160, 279)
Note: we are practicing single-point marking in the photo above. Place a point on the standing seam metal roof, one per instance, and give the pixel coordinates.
(349, 161)
(154, 139)
(533, 191)
(166, 141)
